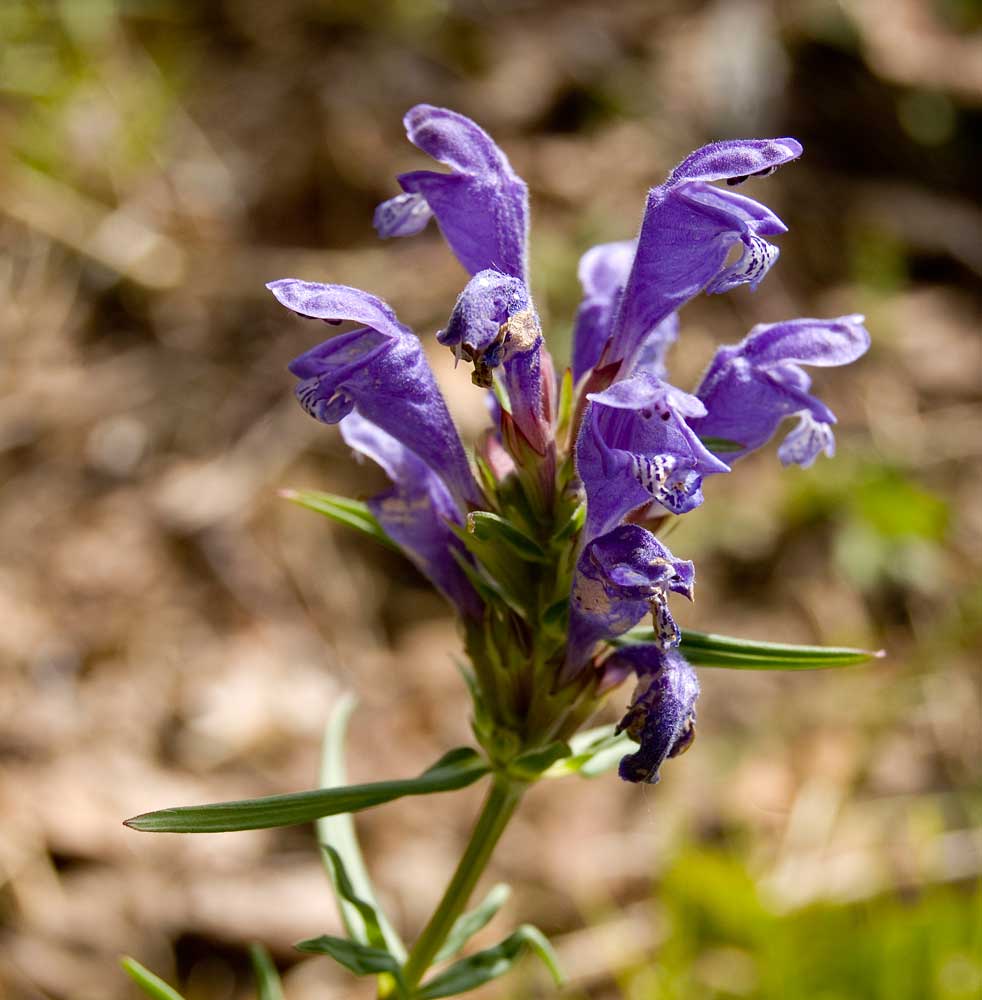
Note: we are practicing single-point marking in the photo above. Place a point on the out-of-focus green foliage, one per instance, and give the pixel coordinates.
(724, 941)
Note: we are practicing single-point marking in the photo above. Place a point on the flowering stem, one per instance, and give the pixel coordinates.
(498, 809)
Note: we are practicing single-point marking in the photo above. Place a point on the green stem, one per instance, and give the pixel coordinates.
(498, 809)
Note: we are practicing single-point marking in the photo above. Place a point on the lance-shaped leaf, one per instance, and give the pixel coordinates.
(481, 968)
(361, 959)
(268, 986)
(456, 769)
(469, 923)
(342, 510)
(153, 986)
(705, 649)
(342, 854)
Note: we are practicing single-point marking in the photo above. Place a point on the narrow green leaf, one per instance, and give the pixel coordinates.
(367, 912)
(469, 923)
(361, 959)
(351, 513)
(456, 769)
(267, 978)
(721, 445)
(152, 985)
(481, 968)
(338, 834)
(705, 649)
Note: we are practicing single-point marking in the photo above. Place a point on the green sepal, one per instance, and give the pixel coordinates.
(721, 446)
(594, 751)
(456, 769)
(572, 525)
(361, 959)
(508, 575)
(530, 765)
(268, 985)
(338, 837)
(351, 513)
(152, 985)
(469, 923)
(495, 530)
(564, 407)
(705, 649)
(482, 967)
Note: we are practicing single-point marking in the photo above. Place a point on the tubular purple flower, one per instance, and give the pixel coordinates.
(481, 206)
(687, 231)
(619, 578)
(750, 387)
(379, 369)
(603, 273)
(636, 446)
(494, 324)
(416, 512)
(662, 714)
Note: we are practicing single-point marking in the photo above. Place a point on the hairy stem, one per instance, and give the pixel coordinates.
(500, 805)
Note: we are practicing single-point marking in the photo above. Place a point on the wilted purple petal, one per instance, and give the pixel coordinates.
(636, 446)
(381, 370)
(749, 388)
(416, 511)
(662, 714)
(494, 324)
(619, 578)
(688, 229)
(481, 206)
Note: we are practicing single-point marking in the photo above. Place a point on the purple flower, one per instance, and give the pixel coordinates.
(662, 714)
(494, 324)
(603, 273)
(379, 369)
(481, 206)
(687, 232)
(636, 446)
(751, 387)
(416, 512)
(619, 578)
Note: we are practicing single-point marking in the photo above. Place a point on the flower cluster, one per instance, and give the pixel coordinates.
(541, 538)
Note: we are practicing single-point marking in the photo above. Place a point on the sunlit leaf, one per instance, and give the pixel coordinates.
(153, 986)
(351, 513)
(704, 649)
(594, 751)
(532, 763)
(456, 769)
(480, 968)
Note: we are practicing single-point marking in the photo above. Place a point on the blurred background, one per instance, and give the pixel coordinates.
(173, 632)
